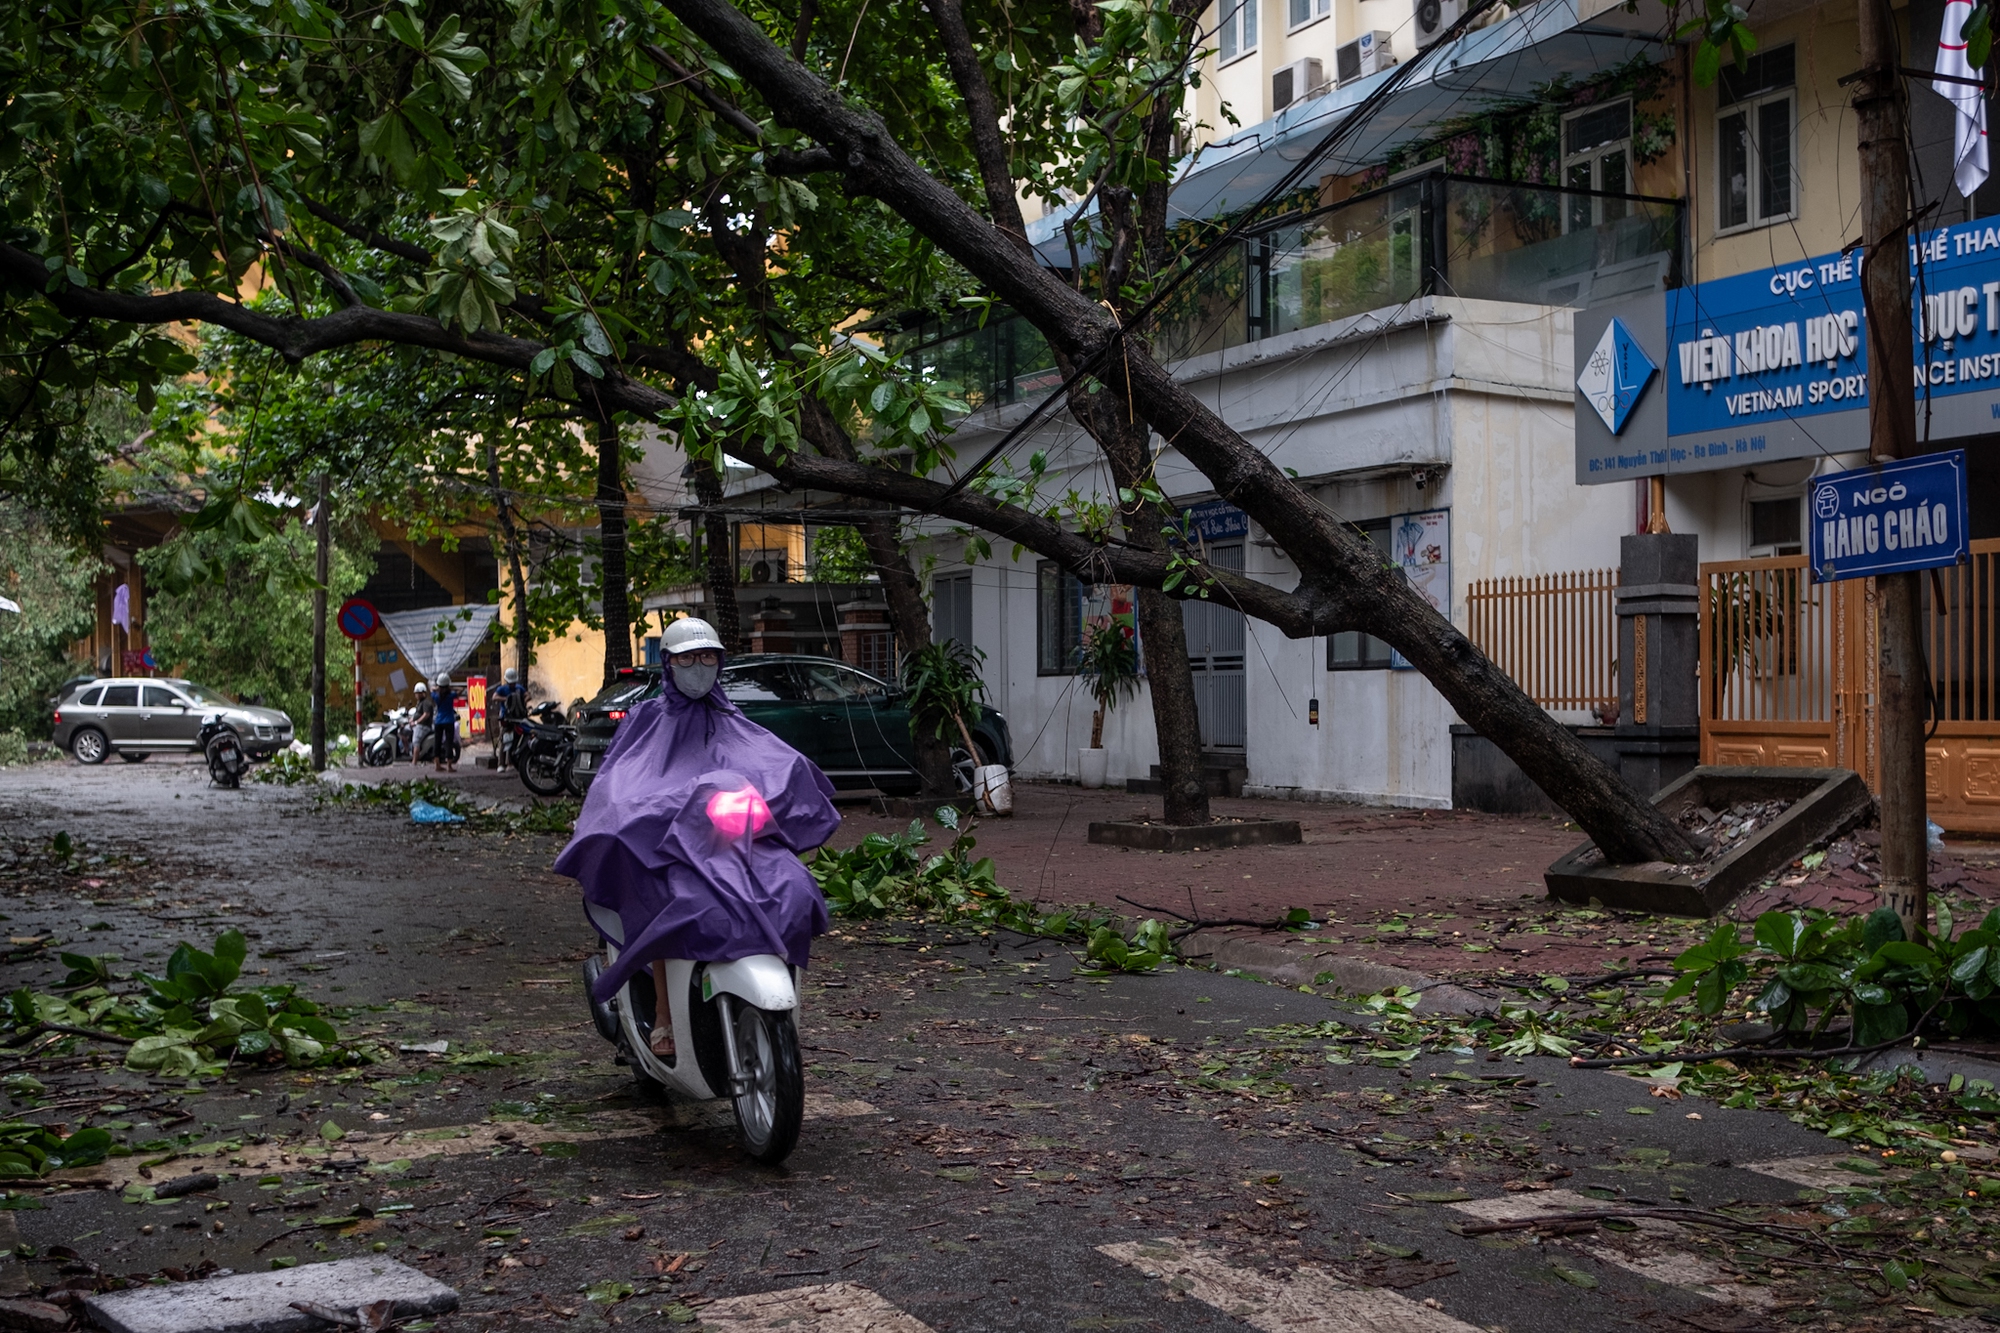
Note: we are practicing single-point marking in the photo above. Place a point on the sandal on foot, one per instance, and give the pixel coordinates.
(661, 1042)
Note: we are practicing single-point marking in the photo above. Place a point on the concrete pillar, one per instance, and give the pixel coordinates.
(1659, 637)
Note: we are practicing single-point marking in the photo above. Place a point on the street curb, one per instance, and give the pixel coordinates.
(1296, 967)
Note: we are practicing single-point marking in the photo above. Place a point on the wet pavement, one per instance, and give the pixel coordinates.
(993, 1141)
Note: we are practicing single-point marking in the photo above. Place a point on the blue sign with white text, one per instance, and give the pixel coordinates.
(1891, 518)
(1774, 364)
(1218, 520)
(1763, 347)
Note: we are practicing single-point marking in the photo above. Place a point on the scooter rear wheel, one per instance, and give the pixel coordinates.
(772, 1105)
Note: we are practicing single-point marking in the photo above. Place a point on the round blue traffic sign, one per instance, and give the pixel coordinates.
(358, 618)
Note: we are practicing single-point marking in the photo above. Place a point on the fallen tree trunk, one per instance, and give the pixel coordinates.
(1339, 570)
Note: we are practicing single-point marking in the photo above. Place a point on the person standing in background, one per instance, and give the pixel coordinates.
(509, 705)
(444, 727)
(420, 721)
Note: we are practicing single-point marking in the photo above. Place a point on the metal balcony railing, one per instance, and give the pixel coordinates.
(1436, 234)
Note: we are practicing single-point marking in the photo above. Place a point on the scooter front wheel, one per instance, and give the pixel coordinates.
(772, 1105)
(543, 773)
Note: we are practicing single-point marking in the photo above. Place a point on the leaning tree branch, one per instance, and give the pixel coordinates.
(368, 236)
(737, 117)
(781, 162)
(1316, 608)
(318, 263)
(296, 338)
(1627, 827)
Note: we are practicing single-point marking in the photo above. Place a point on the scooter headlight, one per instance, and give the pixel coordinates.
(735, 813)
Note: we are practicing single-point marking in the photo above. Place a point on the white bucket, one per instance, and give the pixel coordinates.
(1091, 766)
(992, 790)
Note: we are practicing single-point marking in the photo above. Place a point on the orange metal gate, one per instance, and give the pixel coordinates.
(1789, 676)
(1555, 634)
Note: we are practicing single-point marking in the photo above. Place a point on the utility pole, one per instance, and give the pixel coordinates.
(1892, 428)
(322, 534)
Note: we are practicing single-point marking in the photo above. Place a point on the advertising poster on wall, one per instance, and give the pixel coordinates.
(1113, 604)
(1421, 544)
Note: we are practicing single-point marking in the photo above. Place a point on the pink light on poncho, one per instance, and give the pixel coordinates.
(735, 813)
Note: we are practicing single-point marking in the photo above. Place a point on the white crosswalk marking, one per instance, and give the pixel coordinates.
(464, 1140)
(1673, 1267)
(1307, 1300)
(837, 1307)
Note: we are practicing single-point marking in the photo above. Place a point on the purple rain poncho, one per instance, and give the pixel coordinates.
(644, 847)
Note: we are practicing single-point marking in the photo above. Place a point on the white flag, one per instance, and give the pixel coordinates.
(1969, 138)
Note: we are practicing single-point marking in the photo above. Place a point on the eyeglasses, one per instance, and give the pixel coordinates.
(705, 656)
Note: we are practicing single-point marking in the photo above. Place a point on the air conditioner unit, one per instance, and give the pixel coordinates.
(1367, 54)
(1296, 82)
(1433, 17)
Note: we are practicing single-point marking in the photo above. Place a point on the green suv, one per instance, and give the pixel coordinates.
(854, 726)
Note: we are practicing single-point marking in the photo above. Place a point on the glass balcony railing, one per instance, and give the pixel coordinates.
(1433, 235)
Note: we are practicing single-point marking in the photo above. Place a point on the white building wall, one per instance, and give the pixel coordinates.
(1470, 399)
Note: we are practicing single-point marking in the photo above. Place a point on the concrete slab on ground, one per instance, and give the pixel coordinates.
(268, 1302)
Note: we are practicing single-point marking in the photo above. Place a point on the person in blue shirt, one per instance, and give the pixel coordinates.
(509, 704)
(444, 727)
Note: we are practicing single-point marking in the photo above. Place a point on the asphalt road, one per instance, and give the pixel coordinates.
(995, 1142)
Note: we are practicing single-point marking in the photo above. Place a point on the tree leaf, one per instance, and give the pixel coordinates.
(1882, 926)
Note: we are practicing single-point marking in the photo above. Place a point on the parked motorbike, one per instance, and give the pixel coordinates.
(735, 1023)
(387, 739)
(219, 744)
(545, 750)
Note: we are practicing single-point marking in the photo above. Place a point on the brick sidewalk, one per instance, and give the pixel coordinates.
(1449, 893)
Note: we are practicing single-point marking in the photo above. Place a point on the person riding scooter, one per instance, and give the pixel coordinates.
(645, 850)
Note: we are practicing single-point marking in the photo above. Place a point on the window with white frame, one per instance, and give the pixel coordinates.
(1756, 176)
(1236, 32)
(951, 608)
(1058, 619)
(1597, 156)
(1298, 13)
(1353, 650)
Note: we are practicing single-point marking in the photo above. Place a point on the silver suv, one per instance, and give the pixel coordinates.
(136, 717)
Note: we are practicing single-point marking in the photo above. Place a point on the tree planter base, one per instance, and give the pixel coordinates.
(1152, 837)
(1824, 803)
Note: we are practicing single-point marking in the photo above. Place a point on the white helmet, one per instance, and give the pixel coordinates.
(688, 635)
(444, 682)
(423, 688)
(512, 675)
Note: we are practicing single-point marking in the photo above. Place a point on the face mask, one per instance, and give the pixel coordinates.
(696, 680)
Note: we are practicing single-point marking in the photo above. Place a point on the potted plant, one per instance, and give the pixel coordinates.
(1109, 664)
(943, 689)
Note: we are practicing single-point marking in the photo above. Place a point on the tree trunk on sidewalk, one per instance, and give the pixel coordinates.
(1883, 140)
(322, 539)
(611, 575)
(909, 616)
(1162, 631)
(510, 539)
(1124, 438)
(1340, 574)
(718, 568)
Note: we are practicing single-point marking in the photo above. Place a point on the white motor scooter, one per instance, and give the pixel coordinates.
(735, 1023)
